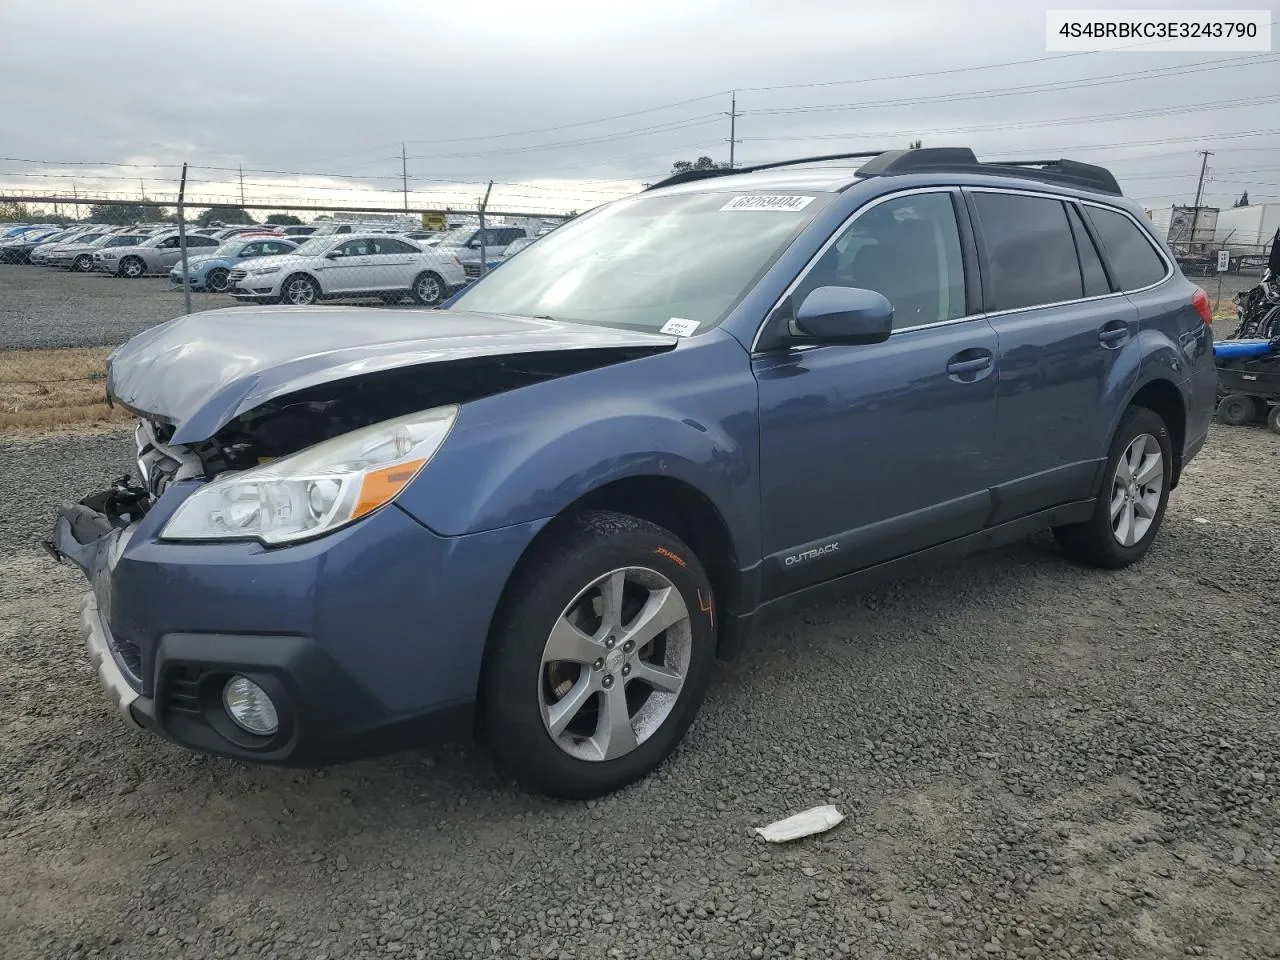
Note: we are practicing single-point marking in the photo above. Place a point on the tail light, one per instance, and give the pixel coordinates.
(1200, 300)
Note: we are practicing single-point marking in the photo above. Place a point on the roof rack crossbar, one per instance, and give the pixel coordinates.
(687, 176)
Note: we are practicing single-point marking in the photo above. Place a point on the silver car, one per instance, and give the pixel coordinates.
(79, 256)
(154, 255)
(45, 253)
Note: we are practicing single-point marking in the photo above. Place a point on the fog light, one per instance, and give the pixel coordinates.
(250, 707)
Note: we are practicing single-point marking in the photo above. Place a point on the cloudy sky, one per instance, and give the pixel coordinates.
(565, 104)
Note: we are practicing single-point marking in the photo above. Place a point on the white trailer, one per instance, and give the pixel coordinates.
(1247, 231)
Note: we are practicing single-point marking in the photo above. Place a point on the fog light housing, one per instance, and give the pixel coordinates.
(249, 707)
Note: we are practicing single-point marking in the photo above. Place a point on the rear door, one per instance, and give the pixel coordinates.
(397, 263)
(1062, 329)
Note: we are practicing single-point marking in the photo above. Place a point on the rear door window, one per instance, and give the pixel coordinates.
(1134, 261)
(1031, 254)
(1095, 278)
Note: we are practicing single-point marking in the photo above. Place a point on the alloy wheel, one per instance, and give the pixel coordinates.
(1136, 489)
(614, 664)
(428, 289)
(300, 292)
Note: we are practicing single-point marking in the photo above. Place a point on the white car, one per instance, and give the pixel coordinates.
(366, 265)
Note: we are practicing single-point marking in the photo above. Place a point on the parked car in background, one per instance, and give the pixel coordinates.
(78, 255)
(18, 229)
(370, 265)
(465, 244)
(298, 230)
(210, 271)
(41, 254)
(17, 249)
(156, 254)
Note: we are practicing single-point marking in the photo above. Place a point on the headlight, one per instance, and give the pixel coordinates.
(264, 271)
(316, 490)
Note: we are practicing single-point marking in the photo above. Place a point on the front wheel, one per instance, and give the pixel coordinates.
(1132, 501)
(299, 291)
(83, 264)
(217, 280)
(600, 656)
(428, 289)
(131, 268)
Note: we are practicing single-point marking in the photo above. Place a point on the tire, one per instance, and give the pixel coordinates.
(1104, 540)
(131, 268)
(567, 578)
(1273, 419)
(82, 264)
(299, 290)
(428, 289)
(216, 280)
(1237, 409)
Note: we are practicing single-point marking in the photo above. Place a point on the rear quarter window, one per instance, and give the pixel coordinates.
(1134, 261)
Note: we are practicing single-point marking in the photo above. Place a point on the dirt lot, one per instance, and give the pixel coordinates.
(1036, 760)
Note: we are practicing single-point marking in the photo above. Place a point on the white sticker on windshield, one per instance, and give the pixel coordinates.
(679, 327)
(762, 202)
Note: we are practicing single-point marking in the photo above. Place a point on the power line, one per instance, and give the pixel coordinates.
(940, 73)
(1202, 66)
(1060, 121)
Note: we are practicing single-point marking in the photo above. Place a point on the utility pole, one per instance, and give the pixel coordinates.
(484, 203)
(404, 177)
(733, 118)
(1195, 213)
(242, 187)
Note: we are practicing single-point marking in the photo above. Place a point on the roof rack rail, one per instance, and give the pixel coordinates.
(687, 176)
(963, 160)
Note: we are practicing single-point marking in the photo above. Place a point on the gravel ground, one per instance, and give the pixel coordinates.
(45, 308)
(1036, 760)
(42, 308)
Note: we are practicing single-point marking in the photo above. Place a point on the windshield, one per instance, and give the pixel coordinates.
(313, 247)
(456, 238)
(642, 262)
(129, 240)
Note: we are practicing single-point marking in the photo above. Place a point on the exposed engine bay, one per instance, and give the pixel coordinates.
(299, 420)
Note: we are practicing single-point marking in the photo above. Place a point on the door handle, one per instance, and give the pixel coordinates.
(1110, 336)
(969, 366)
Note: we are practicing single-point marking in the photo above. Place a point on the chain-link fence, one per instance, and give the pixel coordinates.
(207, 239)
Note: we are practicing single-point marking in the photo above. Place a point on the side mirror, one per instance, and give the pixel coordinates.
(473, 244)
(845, 315)
(333, 255)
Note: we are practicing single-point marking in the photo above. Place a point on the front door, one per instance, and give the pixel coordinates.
(352, 272)
(872, 452)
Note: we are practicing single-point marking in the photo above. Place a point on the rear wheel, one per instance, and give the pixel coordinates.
(428, 289)
(216, 280)
(1237, 409)
(299, 291)
(600, 656)
(1131, 503)
(131, 268)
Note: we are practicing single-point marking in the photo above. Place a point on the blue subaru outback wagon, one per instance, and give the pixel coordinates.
(543, 512)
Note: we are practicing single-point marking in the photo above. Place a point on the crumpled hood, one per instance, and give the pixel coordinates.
(200, 371)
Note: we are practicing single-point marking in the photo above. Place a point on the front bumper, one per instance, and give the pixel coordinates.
(253, 287)
(368, 640)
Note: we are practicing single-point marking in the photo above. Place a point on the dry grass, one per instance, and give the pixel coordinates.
(44, 390)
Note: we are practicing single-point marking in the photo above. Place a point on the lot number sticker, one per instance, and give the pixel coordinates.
(680, 327)
(761, 202)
